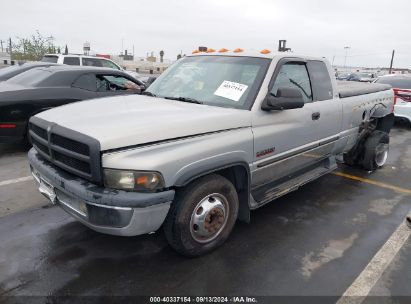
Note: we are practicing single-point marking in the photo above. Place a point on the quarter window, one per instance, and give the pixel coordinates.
(320, 80)
(294, 75)
(92, 62)
(86, 82)
(71, 60)
(109, 64)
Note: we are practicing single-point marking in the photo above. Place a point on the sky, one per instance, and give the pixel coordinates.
(371, 29)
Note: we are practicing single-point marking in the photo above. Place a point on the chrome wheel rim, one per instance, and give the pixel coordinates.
(381, 154)
(209, 218)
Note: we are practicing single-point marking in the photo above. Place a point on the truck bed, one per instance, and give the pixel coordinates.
(353, 88)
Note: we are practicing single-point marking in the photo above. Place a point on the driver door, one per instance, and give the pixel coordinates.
(284, 140)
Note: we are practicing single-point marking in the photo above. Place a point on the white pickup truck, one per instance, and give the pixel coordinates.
(214, 137)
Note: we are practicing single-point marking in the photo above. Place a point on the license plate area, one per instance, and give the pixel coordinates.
(73, 203)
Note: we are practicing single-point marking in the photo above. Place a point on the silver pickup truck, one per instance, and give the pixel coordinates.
(214, 137)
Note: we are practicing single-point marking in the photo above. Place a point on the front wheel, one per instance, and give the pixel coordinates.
(202, 216)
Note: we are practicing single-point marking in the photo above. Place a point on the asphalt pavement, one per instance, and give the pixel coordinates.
(315, 241)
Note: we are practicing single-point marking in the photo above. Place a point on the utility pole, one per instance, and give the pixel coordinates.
(1, 42)
(10, 49)
(346, 48)
(392, 60)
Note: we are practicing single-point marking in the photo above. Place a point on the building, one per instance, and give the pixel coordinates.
(127, 56)
(5, 58)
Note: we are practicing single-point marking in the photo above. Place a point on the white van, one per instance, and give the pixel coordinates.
(73, 59)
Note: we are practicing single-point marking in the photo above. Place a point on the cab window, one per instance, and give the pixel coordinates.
(294, 75)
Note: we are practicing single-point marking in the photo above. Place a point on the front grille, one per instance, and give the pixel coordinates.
(72, 151)
(70, 144)
(39, 146)
(72, 162)
(39, 131)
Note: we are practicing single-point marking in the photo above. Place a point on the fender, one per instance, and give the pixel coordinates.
(234, 175)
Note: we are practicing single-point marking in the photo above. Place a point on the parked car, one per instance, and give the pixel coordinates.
(40, 89)
(343, 76)
(402, 90)
(14, 70)
(197, 153)
(82, 60)
(361, 77)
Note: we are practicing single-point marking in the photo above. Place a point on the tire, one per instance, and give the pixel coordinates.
(376, 149)
(203, 199)
(408, 220)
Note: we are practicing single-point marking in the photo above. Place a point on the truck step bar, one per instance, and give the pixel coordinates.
(269, 192)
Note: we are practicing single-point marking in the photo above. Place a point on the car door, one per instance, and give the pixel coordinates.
(284, 140)
(111, 84)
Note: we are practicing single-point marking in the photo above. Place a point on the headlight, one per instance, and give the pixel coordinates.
(133, 180)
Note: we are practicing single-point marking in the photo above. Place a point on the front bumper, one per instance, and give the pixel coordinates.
(104, 210)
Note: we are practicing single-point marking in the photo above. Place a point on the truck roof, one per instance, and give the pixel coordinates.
(255, 53)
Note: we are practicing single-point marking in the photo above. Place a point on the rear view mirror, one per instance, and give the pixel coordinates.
(286, 99)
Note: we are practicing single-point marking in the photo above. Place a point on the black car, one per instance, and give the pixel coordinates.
(14, 70)
(40, 89)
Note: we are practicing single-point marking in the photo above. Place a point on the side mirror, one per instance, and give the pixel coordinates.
(150, 80)
(286, 99)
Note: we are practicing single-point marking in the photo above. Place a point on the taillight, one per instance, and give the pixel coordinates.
(403, 94)
(7, 126)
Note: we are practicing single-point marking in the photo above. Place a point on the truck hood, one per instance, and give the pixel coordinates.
(123, 121)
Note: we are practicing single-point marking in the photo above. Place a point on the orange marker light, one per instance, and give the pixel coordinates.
(238, 50)
(210, 50)
(142, 180)
(195, 52)
(265, 51)
(223, 50)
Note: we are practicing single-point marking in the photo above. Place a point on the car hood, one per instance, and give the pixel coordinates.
(123, 121)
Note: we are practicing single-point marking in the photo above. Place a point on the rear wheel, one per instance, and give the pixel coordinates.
(376, 149)
(202, 216)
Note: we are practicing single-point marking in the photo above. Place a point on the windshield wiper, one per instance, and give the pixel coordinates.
(184, 99)
(148, 94)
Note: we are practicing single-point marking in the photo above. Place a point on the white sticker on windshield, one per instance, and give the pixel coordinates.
(231, 90)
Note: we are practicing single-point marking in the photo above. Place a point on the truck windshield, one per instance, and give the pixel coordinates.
(213, 80)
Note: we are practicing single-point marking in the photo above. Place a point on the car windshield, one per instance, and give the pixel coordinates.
(52, 59)
(396, 82)
(213, 80)
(31, 77)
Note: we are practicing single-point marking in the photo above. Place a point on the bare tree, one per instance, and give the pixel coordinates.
(33, 48)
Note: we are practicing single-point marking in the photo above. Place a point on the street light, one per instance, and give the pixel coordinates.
(346, 48)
